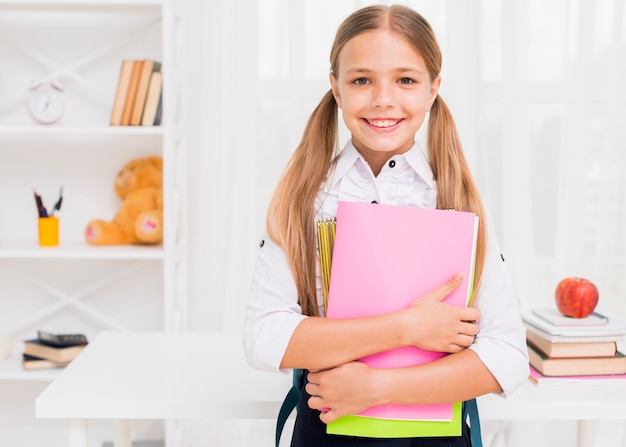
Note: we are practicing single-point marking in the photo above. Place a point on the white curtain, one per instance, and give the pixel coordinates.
(537, 92)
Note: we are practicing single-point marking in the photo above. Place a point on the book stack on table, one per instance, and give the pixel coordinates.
(573, 349)
(52, 350)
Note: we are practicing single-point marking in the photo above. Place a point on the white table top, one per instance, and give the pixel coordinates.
(157, 375)
(582, 400)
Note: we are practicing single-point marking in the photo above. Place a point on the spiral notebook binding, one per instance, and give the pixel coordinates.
(326, 241)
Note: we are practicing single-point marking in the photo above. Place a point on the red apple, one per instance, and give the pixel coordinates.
(576, 297)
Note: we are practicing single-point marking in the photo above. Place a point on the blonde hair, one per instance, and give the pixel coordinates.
(291, 214)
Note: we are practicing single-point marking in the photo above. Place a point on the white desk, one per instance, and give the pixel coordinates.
(581, 402)
(124, 376)
(176, 376)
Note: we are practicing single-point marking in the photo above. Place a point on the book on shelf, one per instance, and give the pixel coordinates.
(131, 93)
(614, 329)
(159, 112)
(572, 349)
(31, 362)
(37, 348)
(138, 95)
(148, 67)
(538, 379)
(576, 366)
(369, 263)
(153, 100)
(122, 91)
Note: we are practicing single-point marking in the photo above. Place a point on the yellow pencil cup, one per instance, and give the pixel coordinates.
(48, 231)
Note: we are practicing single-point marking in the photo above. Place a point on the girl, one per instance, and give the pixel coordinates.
(385, 65)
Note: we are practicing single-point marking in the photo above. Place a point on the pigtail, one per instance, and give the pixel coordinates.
(456, 188)
(291, 215)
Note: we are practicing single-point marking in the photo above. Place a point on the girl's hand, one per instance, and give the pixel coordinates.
(431, 324)
(346, 389)
(437, 326)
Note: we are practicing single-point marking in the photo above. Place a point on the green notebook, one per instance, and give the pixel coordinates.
(393, 428)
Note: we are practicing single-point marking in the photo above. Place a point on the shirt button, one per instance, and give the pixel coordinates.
(392, 163)
(262, 243)
(374, 201)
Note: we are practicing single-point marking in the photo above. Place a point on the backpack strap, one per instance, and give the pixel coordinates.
(291, 401)
(470, 409)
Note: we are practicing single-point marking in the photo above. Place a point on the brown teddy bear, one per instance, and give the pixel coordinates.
(139, 219)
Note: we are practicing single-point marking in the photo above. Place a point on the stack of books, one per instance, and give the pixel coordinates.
(138, 99)
(562, 347)
(358, 266)
(52, 350)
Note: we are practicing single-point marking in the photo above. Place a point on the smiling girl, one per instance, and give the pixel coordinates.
(385, 78)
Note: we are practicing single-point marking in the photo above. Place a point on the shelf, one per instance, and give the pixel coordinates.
(78, 250)
(11, 369)
(81, 5)
(125, 287)
(91, 131)
(112, 136)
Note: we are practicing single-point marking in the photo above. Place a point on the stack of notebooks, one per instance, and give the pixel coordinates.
(52, 350)
(572, 349)
(383, 258)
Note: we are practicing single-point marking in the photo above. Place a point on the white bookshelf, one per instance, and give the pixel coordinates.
(83, 5)
(11, 369)
(77, 250)
(74, 286)
(85, 132)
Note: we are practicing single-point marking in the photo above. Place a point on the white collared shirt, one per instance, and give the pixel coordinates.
(273, 311)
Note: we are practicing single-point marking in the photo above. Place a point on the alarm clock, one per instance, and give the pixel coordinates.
(45, 102)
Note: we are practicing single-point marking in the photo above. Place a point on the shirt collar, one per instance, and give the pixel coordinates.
(415, 157)
(418, 160)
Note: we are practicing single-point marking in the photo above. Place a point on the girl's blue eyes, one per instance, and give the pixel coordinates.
(365, 81)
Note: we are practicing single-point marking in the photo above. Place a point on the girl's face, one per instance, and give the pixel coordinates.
(384, 91)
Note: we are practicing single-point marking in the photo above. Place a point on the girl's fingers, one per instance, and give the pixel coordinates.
(441, 292)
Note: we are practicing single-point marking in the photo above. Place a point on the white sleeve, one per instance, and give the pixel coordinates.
(273, 311)
(501, 341)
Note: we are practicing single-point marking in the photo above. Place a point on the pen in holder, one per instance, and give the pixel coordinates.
(49, 231)
(48, 222)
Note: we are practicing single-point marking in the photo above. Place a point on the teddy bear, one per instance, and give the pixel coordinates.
(139, 219)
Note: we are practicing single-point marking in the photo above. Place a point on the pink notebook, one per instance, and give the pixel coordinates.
(537, 378)
(385, 257)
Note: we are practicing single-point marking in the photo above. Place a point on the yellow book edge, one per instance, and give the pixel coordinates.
(325, 240)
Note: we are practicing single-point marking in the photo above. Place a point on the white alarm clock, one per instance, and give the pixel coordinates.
(45, 102)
